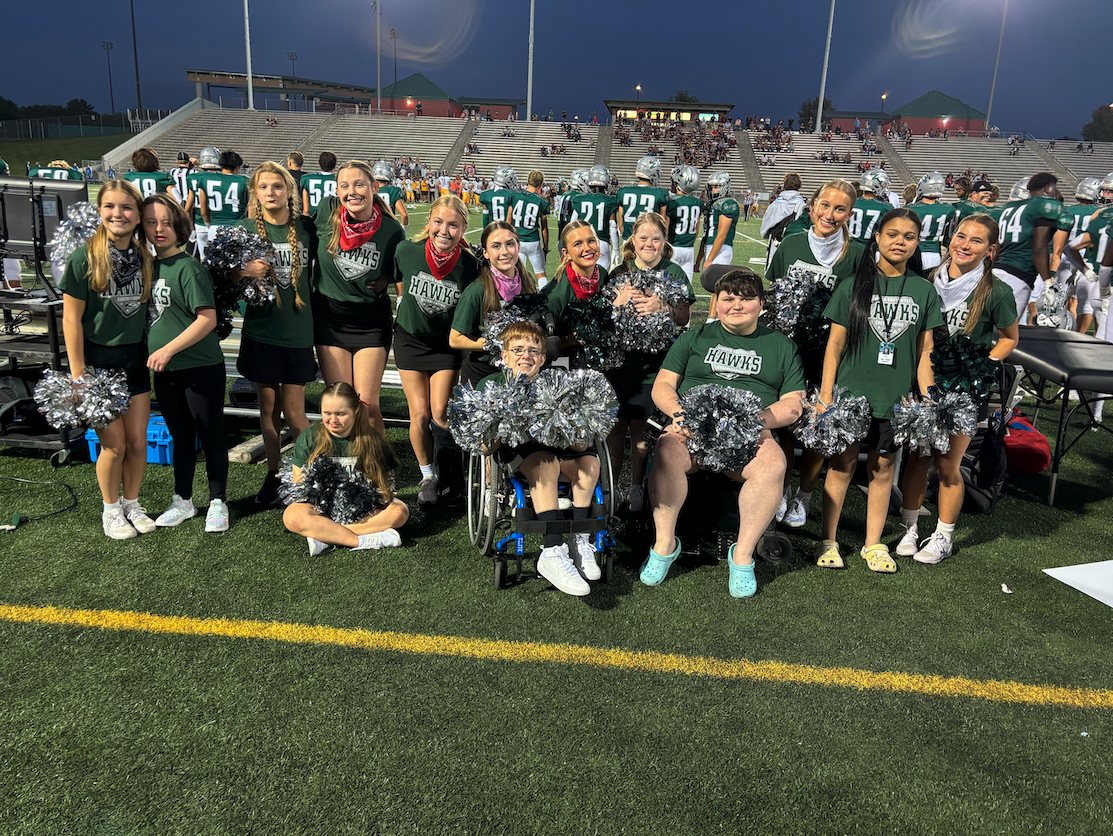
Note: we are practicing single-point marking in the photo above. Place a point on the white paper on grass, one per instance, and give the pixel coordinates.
(1093, 579)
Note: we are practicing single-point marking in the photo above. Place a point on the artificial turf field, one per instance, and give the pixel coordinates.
(398, 692)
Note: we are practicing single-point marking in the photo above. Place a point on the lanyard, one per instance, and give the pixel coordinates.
(886, 320)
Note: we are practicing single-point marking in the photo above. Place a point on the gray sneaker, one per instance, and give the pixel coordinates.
(796, 514)
(936, 548)
(137, 516)
(556, 567)
(428, 494)
(179, 511)
(116, 525)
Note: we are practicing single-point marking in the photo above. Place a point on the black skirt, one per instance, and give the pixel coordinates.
(424, 354)
(352, 325)
(131, 359)
(474, 370)
(263, 363)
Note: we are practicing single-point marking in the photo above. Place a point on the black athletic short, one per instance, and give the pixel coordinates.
(352, 325)
(263, 363)
(880, 437)
(424, 354)
(514, 456)
(131, 359)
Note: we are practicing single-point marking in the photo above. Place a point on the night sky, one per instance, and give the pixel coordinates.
(764, 56)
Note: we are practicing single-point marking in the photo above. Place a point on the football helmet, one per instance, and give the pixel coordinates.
(578, 180)
(1105, 190)
(686, 179)
(1088, 189)
(721, 181)
(209, 157)
(648, 168)
(598, 175)
(382, 171)
(877, 181)
(932, 184)
(1019, 191)
(505, 178)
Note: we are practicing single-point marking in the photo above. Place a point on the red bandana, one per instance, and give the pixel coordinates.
(441, 265)
(583, 287)
(354, 234)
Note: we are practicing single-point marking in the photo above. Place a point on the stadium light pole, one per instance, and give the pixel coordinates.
(107, 47)
(823, 78)
(378, 12)
(884, 96)
(135, 52)
(394, 37)
(993, 85)
(638, 90)
(247, 41)
(529, 69)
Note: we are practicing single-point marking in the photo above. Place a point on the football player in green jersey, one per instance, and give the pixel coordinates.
(684, 211)
(504, 182)
(1093, 239)
(596, 207)
(146, 177)
(391, 195)
(223, 197)
(934, 217)
(316, 187)
(208, 162)
(871, 207)
(1028, 222)
(57, 170)
(722, 221)
(643, 196)
(528, 211)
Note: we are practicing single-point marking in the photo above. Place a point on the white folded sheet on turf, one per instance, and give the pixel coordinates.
(1093, 579)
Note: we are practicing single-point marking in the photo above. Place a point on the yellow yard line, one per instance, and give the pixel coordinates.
(566, 654)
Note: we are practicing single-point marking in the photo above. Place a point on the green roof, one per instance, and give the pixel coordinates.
(415, 86)
(934, 104)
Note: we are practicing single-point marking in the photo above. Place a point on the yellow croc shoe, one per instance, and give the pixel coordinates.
(827, 555)
(878, 559)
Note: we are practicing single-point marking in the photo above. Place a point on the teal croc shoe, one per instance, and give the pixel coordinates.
(656, 566)
(743, 582)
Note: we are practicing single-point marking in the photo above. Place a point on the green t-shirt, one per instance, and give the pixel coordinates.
(764, 362)
(182, 286)
(469, 318)
(802, 224)
(303, 447)
(999, 312)
(934, 221)
(724, 206)
(642, 364)
(226, 195)
(595, 209)
(527, 211)
(47, 173)
(114, 317)
(428, 305)
(796, 251)
(494, 203)
(317, 186)
(909, 312)
(348, 276)
(684, 211)
(150, 182)
(864, 217)
(634, 201)
(1099, 232)
(283, 324)
(1019, 221)
(561, 295)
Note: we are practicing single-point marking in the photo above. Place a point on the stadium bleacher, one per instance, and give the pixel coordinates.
(955, 155)
(523, 150)
(1098, 164)
(386, 137)
(625, 157)
(814, 173)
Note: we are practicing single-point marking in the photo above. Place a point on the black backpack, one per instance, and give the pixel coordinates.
(17, 403)
(984, 471)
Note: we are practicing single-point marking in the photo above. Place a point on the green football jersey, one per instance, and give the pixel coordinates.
(48, 173)
(637, 200)
(595, 209)
(193, 183)
(864, 217)
(1099, 236)
(527, 211)
(934, 218)
(967, 207)
(1076, 219)
(149, 182)
(226, 195)
(1019, 220)
(724, 206)
(317, 187)
(494, 203)
(390, 196)
(684, 211)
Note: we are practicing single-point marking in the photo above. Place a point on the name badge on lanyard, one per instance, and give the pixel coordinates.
(886, 353)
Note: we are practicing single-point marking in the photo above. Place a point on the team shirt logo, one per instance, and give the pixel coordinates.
(125, 299)
(732, 363)
(955, 319)
(160, 301)
(354, 263)
(433, 297)
(283, 264)
(823, 276)
(907, 314)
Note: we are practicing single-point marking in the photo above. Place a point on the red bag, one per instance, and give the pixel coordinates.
(1026, 448)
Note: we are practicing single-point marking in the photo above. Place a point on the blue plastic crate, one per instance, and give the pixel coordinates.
(160, 444)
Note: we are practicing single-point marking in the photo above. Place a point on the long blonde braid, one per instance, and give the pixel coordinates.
(293, 208)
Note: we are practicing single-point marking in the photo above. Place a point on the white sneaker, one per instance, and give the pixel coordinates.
(137, 515)
(556, 567)
(315, 546)
(216, 519)
(937, 547)
(379, 540)
(909, 541)
(637, 498)
(796, 514)
(116, 525)
(428, 495)
(783, 507)
(582, 552)
(179, 511)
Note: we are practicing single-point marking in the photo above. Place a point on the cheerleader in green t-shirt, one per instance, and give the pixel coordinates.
(106, 286)
(879, 346)
(980, 306)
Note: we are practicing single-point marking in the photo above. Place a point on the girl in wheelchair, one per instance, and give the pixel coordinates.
(541, 466)
(347, 435)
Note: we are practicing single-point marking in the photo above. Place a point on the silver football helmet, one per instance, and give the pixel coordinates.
(686, 179)
(932, 184)
(1105, 190)
(876, 181)
(648, 168)
(209, 157)
(1088, 189)
(382, 171)
(578, 180)
(719, 185)
(1019, 191)
(599, 175)
(505, 178)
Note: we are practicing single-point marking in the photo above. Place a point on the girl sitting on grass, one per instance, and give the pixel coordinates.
(346, 434)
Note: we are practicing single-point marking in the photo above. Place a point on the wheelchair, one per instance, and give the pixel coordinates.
(500, 514)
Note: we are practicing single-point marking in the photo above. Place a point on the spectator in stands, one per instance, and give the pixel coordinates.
(417, 111)
(294, 163)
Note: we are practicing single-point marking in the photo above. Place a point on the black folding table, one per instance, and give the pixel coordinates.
(1064, 361)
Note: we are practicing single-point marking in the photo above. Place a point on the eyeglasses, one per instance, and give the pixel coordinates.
(532, 352)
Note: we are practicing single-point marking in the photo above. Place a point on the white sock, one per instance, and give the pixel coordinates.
(804, 496)
(130, 503)
(908, 518)
(946, 529)
(111, 506)
(426, 471)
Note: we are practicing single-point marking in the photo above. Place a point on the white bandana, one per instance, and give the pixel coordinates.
(826, 250)
(953, 292)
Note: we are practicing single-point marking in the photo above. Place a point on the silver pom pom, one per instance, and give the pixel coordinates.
(650, 333)
(233, 247)
(724, 424)
(81, 221)
(96, 402)
(786, 299)
(929, 424)
(332, 489)
(571, 409)
(844, 422)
